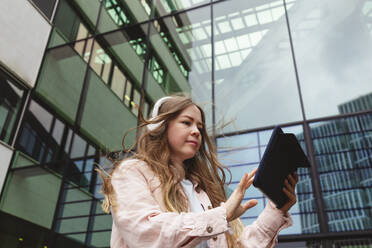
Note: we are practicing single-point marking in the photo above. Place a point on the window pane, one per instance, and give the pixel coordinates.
(254, 74)
(58, 129)
(36, 138)
(128, 92)
(135, 102)
(343, 159)
(100, 102)
(44, 117)
(79, 147)
(242, 153)
(333, 59)
(192, 40)
(57, 84)
(10, 105)
(118, 82)
(46, 7)
(164, 7)
(101, 239)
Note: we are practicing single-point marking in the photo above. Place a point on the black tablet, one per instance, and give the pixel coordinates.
(283, 155)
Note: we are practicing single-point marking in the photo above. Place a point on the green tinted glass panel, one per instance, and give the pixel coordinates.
(141, 12)
(107, 21)
(153, 89)
(76, 194)
(76, 209)
(101, 239)
(56, 39)
(77, 237)
(114, 118)
(10, 103)
(21, 160)
(67, 21)
(89, 9)
(102, 222)
(61, 80)
(129, 48)
(169, 61)
(32, 196)
(74, 225)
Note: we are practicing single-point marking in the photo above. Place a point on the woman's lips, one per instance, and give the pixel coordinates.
(193, 142)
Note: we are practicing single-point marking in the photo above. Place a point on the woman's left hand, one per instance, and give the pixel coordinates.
(289, 189)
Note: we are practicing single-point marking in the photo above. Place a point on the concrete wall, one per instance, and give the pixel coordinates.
(24, 35)
(5, 157)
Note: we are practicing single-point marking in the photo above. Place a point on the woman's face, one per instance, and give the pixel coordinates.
(184, 134)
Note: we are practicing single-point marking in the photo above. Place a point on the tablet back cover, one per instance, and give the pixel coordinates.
(283, 155)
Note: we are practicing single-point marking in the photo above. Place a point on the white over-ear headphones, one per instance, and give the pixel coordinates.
(155, 112)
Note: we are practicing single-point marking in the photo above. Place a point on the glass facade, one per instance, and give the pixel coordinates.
(12, 97)
(251, 65)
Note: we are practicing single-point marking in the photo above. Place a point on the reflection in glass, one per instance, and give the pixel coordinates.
(79, 147)
(10, 104)
(255, 82)
(164, 7)
(56, 83)
(69, 24)
(58, 130)
(242, 153)
(118, 82)
(333, 53)
(44, 117)
(46, 7)
(128, 92)
(100, 62)
(113, 16)
(343, 157)
(136, 101)
(35, 137)
(193, 40)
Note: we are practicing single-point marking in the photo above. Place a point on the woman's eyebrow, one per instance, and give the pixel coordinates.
(199, 123)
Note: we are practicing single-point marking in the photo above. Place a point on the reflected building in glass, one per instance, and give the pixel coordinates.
(70, 90)
(343, 155)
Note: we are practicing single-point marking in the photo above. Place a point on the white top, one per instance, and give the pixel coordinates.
(195, 205)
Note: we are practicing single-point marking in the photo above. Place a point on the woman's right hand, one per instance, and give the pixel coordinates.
(234, 208)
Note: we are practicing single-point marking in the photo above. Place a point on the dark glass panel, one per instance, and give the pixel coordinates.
(36, 139)
(11, 97)
(46, 7)
(68, 23)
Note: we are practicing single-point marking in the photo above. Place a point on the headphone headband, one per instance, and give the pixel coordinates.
(155, 112)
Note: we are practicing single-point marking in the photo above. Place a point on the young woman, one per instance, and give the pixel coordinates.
(171, 192)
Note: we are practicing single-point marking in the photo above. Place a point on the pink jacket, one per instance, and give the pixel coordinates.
(141, 220)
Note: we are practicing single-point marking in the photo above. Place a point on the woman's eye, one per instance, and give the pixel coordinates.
(186, 123)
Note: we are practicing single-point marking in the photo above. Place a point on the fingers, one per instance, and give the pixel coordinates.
(291, 196)
(243, 182)
(293, 178)
(250, 204)
(250, 178)
(243, 208)
(288, 186)
(247, 180)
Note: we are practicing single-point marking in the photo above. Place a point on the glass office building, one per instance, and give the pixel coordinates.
(75, 73)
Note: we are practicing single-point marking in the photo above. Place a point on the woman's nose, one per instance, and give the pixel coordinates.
(195, 131)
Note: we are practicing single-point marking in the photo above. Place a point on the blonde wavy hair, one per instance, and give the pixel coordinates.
(203, 169)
